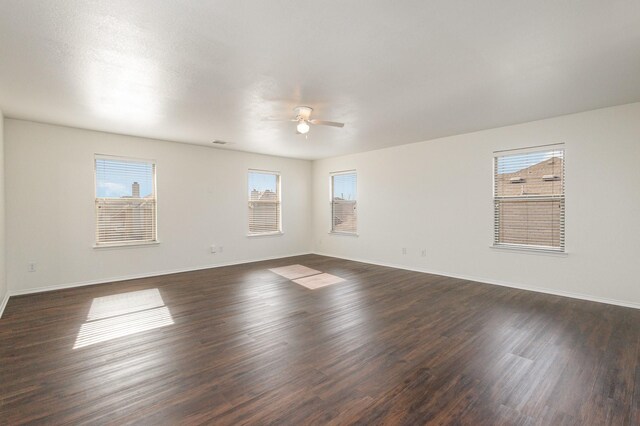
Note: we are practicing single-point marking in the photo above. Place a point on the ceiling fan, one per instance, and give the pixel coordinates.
(303, 119)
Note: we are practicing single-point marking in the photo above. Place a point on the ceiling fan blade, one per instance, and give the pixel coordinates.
(326, 123)
(278, 119)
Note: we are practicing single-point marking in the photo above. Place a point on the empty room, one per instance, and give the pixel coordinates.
(342, 212)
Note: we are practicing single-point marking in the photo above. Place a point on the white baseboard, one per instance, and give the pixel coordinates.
(3, 303)
(145, 275)
(572, 295)
(372, 262)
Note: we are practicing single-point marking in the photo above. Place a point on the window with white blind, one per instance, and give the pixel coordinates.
(125, 201)
(529, 198)
(264, 203)
(344, 218)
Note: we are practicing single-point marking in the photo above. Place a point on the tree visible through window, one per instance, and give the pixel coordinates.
(264, 203)
(529, 199)
(125, 201)
(344, 218)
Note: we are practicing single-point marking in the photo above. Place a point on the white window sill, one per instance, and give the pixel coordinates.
(126, 245)
(266, 234)
(345, 234)
(529, 250)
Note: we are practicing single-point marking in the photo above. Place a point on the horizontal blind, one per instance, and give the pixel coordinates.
(344, 217)
(529, 199)
(264, 203)
(125, 201)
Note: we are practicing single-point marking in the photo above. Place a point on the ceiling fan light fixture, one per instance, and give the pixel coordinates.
(302, 127)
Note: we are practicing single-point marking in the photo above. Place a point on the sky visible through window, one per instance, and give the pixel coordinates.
(262, 181)
(114, 178)
(344, 186)
(514, 163)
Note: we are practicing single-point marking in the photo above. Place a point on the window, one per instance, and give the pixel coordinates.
(344, 218)
(125, 201)
(264, 203)
(529, 199)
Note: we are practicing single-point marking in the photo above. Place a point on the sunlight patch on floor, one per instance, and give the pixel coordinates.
(124, 314)
(124, 303)
(319, 281)
(307, 277)
(293, 272)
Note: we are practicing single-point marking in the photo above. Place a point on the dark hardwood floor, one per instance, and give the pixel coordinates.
(242, 345)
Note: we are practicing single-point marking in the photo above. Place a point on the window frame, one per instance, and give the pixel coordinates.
(279, 202)
(530, 248)
(124, 244)
(331, 203)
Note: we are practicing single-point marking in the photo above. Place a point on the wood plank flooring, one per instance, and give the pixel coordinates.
(244, 345)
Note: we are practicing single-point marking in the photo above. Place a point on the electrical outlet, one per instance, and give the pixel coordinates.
(404, 250)
(220, 249)
(213, 249)
(31, 266)
(424, 252)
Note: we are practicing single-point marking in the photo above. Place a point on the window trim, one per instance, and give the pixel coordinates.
(125, 244)
(279, 193)
(133, 244)
(332, 231)
(525, 248)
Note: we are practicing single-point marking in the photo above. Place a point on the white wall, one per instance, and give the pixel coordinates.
(4, 294)
(202, 198)
(433, 195)
(436, 195)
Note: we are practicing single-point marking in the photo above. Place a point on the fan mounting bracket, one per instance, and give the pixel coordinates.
(302, 112)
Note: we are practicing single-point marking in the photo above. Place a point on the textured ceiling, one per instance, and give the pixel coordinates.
(394, 71)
